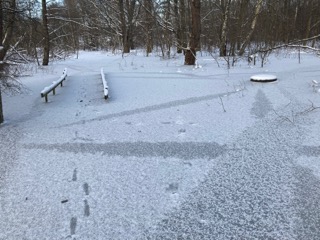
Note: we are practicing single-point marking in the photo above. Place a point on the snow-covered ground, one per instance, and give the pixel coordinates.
(176, 152)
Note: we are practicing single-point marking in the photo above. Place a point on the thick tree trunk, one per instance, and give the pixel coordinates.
(126, 23)
(190, 57)
(71, 6)
(126, 44)
(149, 24)
(286, 27)
(46, 39)
(124, 31)
(1, 111)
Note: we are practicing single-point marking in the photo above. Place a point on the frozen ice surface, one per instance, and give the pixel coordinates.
(176, 152)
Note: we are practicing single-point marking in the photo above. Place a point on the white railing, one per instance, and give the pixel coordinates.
(52, 87)
(105, 85)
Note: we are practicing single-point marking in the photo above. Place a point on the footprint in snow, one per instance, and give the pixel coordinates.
(173, 187)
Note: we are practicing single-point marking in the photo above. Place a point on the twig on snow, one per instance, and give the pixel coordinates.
(224, 110)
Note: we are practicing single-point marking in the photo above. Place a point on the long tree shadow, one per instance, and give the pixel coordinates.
(151, 108)
(185, 150)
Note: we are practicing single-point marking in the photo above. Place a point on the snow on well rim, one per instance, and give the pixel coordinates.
(263, 78)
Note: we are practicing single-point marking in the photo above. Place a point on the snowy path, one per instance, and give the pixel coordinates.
(160, 159)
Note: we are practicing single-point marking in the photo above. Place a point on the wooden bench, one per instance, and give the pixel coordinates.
(52, 87)
(105, 85)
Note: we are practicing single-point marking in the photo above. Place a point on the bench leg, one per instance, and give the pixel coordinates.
(46, 97)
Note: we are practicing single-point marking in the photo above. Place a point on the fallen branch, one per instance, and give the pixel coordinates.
(294, 115)
(224, 110)
(310, 109)
(293, 44)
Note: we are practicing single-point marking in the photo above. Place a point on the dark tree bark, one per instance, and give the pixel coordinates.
(126, 18)
(182, 38)
(7, 31)
(224, 28)
(309, 21)
(194, 42)
(74, 15)
(252, 28)
(46, 39)
(124, 32)
(1, 111)
(148, 25)
(1, 63)
(5, 38)
(177, 24)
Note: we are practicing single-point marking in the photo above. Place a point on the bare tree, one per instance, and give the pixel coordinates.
(180, 24)
(7, 32)
(46, 38)
(5, 39)
(127, 17)
(242, 8)
(1, 110)
(74, 21)
(225, 20)
(97, 24)
(1, 63)
(194, 42)
(252, 28)
(148, 6)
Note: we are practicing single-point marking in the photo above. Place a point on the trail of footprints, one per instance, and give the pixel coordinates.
(86, 211)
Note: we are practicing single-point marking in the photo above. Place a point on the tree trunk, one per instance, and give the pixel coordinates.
(149, 24)
(308, 27)
(1, 111)
(5, 39)
(46, 39)
(8, 30)
(177, 25)
(190, 57)
(252, 28)
(182, 38)
(126, 25)
(1, 60)
(223, 38)
(243, 9)
(124, 31)
(73, 14)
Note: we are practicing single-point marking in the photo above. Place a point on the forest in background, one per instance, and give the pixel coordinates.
(39, 30)
(235, 27)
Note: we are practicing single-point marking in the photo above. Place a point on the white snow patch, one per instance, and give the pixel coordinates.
(263, 78)
(150, 103)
